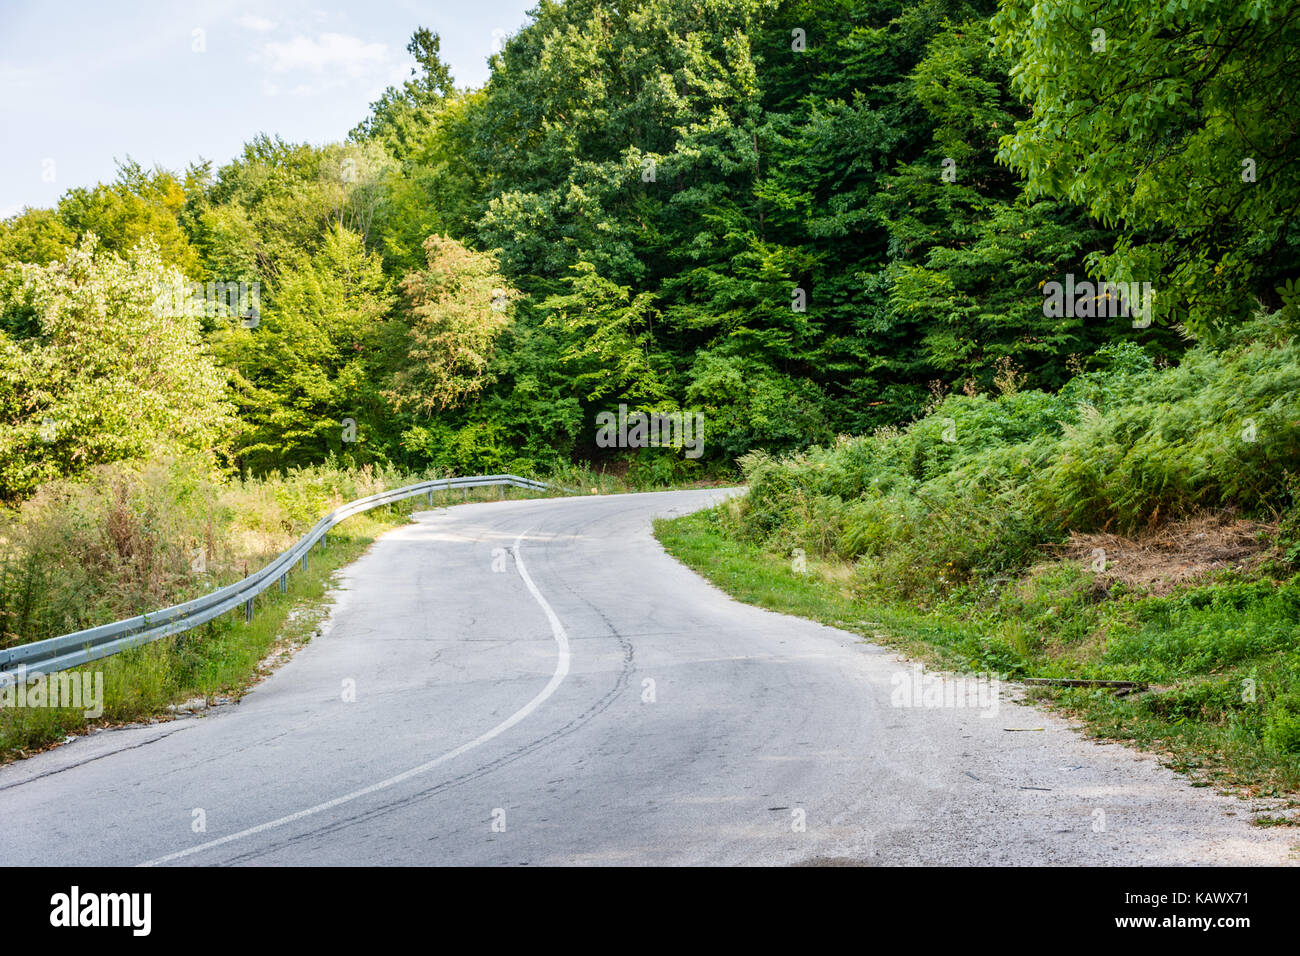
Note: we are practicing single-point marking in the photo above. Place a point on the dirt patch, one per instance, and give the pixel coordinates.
(1172, 554)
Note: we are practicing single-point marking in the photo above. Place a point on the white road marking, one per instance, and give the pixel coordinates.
(561, 671)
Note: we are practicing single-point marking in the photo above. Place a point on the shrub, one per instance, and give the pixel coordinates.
(977, 486)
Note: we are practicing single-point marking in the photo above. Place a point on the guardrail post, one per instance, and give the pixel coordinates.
(304, 558)
(248, 611)
(430, 496)
(284, 583)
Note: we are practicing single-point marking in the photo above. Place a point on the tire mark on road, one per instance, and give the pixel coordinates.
(561, 671)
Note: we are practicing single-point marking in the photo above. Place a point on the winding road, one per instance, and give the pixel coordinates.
(538, 683)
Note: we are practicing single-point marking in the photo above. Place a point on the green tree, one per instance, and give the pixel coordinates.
(459, 304)
(139, 204)
(37, 236)
(608, 345)
(1176, 122)
(107, 370)
(316, 359)
(438, 188)
(398, 119)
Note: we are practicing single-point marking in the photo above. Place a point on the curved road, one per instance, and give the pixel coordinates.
(536, 683)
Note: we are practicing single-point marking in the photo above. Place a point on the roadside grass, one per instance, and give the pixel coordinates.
(1221, 656)
(224, 658)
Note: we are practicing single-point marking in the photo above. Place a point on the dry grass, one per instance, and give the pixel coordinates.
(1175, 553)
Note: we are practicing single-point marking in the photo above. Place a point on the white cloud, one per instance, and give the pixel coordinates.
(333, 53)
(251, 21)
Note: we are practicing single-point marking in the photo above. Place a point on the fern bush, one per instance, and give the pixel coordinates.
(975, 488)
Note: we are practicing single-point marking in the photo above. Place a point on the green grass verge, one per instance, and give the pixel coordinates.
(1222, 659)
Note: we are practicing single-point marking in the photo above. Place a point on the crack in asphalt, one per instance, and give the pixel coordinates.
(88, 760)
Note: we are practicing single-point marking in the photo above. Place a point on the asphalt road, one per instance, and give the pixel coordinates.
(537, 683)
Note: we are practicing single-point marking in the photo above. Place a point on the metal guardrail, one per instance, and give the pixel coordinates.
(81, 647)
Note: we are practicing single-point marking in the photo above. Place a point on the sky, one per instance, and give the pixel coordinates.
(83, 84)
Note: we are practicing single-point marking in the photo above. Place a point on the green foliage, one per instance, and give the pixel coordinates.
(80, 552)
(396, 119)
(607, 338)
(747, 405)
(316, 358)
(796, 233)
(459, 306)
(1174, 121)
(139, 205)
(1222, 428)
(94, 368)
(438, 190)
(971, 491)
(279, 202)
(37, 236)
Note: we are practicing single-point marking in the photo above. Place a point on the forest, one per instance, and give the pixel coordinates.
(796, 219)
